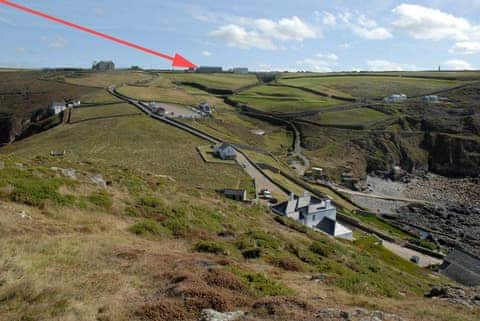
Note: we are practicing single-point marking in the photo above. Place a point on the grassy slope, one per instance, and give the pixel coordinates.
(105, 79)
(350, 117)
(376, 87)
(134, 142)
(283, 99)
(458, 75)
(314, 84)
(114, 256)
(216, 81)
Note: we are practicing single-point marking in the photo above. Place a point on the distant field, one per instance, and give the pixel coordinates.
(356, 116)
(101, 112)
(166, 95)
(377, 87)
(106, 79)
(314, 84)
(216, 81)
(138, 142)
(24, 91)
(283, 99)
(453, 75)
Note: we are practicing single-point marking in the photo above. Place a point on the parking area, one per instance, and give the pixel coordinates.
(179, 111)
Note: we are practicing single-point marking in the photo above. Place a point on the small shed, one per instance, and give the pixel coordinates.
(204, 107)
(236, 194)
(57, 107)
(225, 151)
(462, 267)
(431, 99)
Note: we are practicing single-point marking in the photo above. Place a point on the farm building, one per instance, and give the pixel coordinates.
(462, 267)
(430, 98)
(242, 71)
(57, 107)
(225, 151)
(208, 69)
(103, 66)
(204, 107)
(156, 108)
(315, 213)
(395, 98)
(236, 194)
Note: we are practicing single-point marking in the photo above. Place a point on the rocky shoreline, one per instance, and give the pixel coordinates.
(449, 211)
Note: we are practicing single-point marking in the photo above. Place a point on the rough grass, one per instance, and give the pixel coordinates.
(134, 142)
(283, 99)
(359, 116)
(378, 87)
(106, 79)
(216, 81)
(67, 261)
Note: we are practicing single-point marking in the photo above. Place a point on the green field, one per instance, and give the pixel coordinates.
(375, 86)
(314, 84)
(283, 99)
(106, 79)
(452, 75)
(216, 81)
(137, 142)
(358, 116)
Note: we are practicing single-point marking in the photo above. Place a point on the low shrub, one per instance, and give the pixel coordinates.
(147, 227)
(101, 200)
(260, 284)
(212, 247)
(253, 253)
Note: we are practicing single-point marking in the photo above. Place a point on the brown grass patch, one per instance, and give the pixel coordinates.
(283, 307)
(162, 310)
(224, 279)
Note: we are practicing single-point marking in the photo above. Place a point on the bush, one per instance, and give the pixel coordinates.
(261, 285)
(212, 247)
(147, 227)
(37, 192)
(101, 199)
(324, 249)
(254, 253)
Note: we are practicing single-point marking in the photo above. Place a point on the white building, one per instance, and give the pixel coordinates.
(58, 107)
(315, 213)
(395, 98)
(431, 99)
(241, 71)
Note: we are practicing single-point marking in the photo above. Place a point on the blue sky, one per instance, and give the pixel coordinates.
(262, 34)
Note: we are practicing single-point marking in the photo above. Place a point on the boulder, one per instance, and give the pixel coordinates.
(212, 315)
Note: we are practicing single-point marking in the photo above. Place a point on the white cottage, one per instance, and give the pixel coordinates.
(315, 213)
(58, 107)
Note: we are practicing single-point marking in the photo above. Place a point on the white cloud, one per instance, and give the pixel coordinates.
(346, 45)
(320, 63)
(457, 64)
(365, 27)
(237, 37)
(466, 47)
(57, 42)
(248, 33)
(386, 65)
(206, 53)
(427, 23)
(327, 18)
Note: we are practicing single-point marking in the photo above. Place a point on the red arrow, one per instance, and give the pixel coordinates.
(177, 60)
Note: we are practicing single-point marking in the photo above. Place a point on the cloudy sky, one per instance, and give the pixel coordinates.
(312, 35)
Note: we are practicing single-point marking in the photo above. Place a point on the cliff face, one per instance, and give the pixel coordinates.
(10, 127)
(453, 156)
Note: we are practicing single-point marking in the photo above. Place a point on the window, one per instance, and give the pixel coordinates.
(314, 217)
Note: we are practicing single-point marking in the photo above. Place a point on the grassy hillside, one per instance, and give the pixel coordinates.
(25, 91)
(106, 79)
(358, 116)
(147, 248)
(374, 86)
(131, 141)
(283, 99)
(216, 81)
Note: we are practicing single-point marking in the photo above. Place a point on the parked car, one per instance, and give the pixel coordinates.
(266, 194)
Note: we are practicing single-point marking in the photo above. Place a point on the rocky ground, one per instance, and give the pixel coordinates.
(451, 211)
